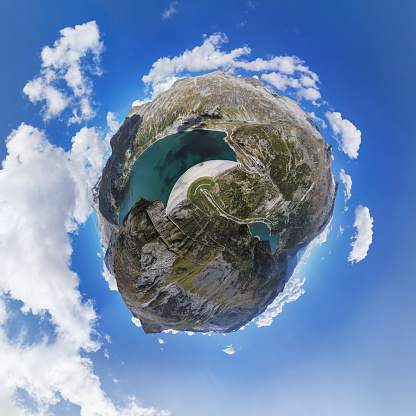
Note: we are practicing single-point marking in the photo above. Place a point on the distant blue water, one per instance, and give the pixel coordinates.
(158, 168)
(261, 230)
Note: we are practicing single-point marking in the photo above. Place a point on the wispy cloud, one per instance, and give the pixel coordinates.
(170, 11)
(63, 82)
(346, 132)
(292, 291)
(112, 122)
(317, 120)
(229, 349)
(364, 236)
(347, 181)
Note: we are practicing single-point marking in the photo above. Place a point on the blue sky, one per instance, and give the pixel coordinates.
(345, 346)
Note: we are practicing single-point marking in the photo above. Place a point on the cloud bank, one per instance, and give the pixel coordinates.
(364, 236)
(282, 72)
(45, 193)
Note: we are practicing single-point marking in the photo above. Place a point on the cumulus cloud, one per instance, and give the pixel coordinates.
(293, 288)
(288, 71)
(63, 81)
(229, 349)
(45, 193)
(161, 341)
(346, 132)
(170, 11)
(347, 181)
(310, 94)
(364, 236)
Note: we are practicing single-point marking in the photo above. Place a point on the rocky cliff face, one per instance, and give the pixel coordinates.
(199, 268)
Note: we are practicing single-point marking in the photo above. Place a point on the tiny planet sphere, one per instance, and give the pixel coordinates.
(211, 190)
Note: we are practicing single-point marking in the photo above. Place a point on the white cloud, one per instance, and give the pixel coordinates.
(291, 71)
(318, 120)
(172, 331)
(349, 135)
(229, 350)
(112, 122)
(138, 103)
(308, 82)
(40, 90)
(161, 341)
(45, 193)
(206, 57)
(168, 13)
(109, 278)
(281, 81)
(163, 86)
(341, 230)
(285, 64)
(136, 321)
(293, 288)
(310, 94)
(347, 181)
(63, 81)
(364, 236)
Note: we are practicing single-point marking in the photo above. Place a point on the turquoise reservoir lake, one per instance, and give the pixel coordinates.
(261, 230)
(157, 169)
